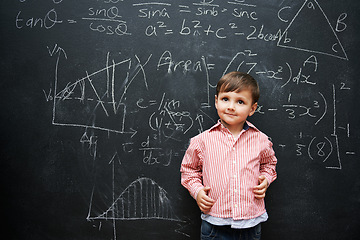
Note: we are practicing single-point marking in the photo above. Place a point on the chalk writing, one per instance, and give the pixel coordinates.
(48, 21)
(147, 81)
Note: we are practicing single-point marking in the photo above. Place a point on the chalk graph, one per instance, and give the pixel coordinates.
(142, 199)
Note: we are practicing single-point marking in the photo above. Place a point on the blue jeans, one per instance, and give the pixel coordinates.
(212, 232)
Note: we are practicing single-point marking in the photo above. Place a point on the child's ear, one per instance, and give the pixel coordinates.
(216, 100)
(253, 109)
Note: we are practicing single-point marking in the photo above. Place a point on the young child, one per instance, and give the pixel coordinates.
(229, 167)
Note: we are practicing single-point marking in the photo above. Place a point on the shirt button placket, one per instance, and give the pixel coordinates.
(234, 185)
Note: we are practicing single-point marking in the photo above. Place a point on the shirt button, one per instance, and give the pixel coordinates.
(234, 148)
(235, 190)
(236, 205)
(234, 162)
(234, 175)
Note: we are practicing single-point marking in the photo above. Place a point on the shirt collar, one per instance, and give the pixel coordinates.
(247, 125)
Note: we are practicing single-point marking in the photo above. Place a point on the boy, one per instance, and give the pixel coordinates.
(229, 167)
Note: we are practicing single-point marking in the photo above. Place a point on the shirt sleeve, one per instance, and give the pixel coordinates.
(268, 162)
(191, 169)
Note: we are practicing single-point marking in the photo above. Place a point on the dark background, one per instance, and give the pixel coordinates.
(100, 98)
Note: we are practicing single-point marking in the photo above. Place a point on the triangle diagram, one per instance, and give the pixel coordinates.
(310, 30)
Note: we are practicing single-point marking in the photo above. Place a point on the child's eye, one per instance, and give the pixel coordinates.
(225, 99)
(240, 102)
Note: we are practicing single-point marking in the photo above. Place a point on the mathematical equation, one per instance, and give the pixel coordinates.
(110, 18)
(169, 120)
(160, 19)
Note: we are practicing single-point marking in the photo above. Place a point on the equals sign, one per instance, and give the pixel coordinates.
(71, 21)
(152, 102)
(169, 31)
(186, 8)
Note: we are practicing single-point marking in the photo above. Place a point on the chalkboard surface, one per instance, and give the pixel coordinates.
(100, 98)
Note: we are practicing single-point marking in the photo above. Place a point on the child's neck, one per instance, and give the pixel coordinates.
(234, 129)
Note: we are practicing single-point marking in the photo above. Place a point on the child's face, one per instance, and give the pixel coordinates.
(233, 108)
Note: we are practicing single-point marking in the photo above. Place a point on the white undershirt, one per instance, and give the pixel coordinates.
(239, 224)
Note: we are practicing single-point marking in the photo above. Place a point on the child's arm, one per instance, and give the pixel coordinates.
(267, 170)
(191, 177)
(191, 169)
(268, 162)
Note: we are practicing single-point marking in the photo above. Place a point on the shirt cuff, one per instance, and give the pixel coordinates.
(195, 191)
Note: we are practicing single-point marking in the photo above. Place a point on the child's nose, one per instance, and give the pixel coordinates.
(231, 105)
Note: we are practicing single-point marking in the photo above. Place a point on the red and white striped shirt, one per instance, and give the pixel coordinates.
(230, 167)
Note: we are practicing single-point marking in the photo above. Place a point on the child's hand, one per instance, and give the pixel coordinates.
(260, 189)
(203, 201)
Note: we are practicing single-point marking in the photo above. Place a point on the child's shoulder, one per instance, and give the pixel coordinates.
(207, 133)
(202, 135)
(263, 136)
(257, 131)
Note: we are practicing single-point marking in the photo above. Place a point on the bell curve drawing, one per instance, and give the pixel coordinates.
(142, 199)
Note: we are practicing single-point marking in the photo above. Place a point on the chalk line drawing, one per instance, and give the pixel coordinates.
(96, 100)
(296, 35)
(142, 199)
(338, 166)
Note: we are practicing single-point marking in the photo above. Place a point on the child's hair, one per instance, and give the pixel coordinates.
(238, 81)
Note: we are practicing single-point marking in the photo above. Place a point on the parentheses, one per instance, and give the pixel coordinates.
(312, 140)
(290, 74)
(325, 108)
(150, 118)
(331, 149)
(232, 60)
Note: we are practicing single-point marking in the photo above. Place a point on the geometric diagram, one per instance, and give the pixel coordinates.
(142, 199)
(96, 100)
(316, 37)
(85, 103)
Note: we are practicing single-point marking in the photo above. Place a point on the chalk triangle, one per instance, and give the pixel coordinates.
(310, 30)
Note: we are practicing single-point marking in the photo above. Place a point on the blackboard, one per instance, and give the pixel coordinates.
(100, 98)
